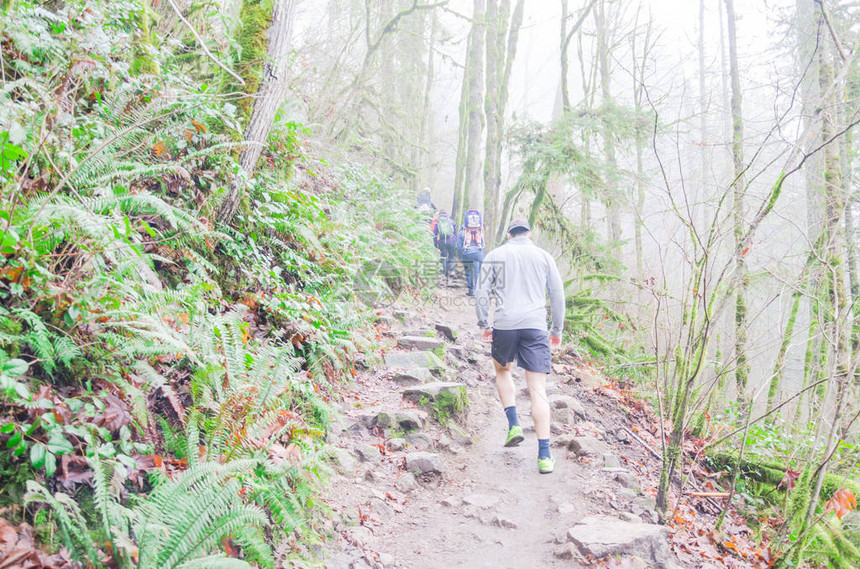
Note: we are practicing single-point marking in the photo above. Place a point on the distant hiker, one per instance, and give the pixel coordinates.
(472, 247)
(520, 274)
(445, 239)
(425, 202)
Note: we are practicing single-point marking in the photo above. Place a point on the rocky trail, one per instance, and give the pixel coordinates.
(422, 483)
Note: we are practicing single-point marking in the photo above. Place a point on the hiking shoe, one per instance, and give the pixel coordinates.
(515, 436)
(546, 465)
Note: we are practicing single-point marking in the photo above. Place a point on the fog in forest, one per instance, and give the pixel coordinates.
(213, 239)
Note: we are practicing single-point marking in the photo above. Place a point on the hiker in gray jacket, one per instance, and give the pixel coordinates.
(520, 274)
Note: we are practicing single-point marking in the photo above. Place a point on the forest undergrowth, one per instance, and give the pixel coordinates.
(164, 377)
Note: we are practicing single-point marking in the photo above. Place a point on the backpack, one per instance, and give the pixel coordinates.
(446, 230)
(473, 229)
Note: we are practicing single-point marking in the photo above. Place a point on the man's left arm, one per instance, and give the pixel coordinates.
(555, 288)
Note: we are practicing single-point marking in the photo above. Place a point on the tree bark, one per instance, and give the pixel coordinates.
(738, 190)
(496, 109)
(269, 97)
(566, 36)
(474, 189)
(611, 194)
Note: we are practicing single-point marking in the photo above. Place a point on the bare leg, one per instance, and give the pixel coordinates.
(540, 404)
(505, 384)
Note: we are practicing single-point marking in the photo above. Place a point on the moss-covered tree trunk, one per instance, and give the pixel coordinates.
(741, 278)
(143, 62)
(840, 329)
(779, 363)
(271, 84)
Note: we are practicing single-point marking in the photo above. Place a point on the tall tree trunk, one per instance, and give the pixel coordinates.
(700, 200)
(474, 187)
(566, 36)
(840, 334)
(808, 27)
(738, 190)
(426, 128)
(507, 51)
(496, 18)
(471, 119)
(638, 68)
(270, 94)
(612, 196)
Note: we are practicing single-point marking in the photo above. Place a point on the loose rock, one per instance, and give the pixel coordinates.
(367, 453)
(459, 434)
(419, 441)
(408, 420)
(424, 463)
(601, 536)
(627, 480)
(419, 342)
(567, 402)
(343, 460)
(396, 445)
(504, 523)
(413, 376)
(588, 445)
(406, 483)
(585, 379)
(411, 360)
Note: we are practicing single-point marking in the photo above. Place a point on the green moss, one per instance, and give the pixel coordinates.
(449, 405)
(255, 18)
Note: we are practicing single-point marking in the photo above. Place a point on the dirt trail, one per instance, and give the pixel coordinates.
(489, 507)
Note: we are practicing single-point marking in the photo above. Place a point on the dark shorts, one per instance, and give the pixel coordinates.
(529, 346)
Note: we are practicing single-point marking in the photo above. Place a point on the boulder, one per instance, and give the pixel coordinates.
(436, 390)
(458, 352)
(368, 453)
(423, 333)
(408, 420)
(585, 379)
(396, 445)
(413, 376)
(443, 399)
(424, 463)
(419, 343)
(410, 360)
(385, 420)
(406, 483)
(561, 416)
(588, 445)
(567, 402)
(627, 480)
(611, 461)
(459, 434)
(602, 536)
(419, 441)
(342, 459)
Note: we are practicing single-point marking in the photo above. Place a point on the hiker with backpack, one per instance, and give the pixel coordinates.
(425, 203)
(445, 239)
(472, 247)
